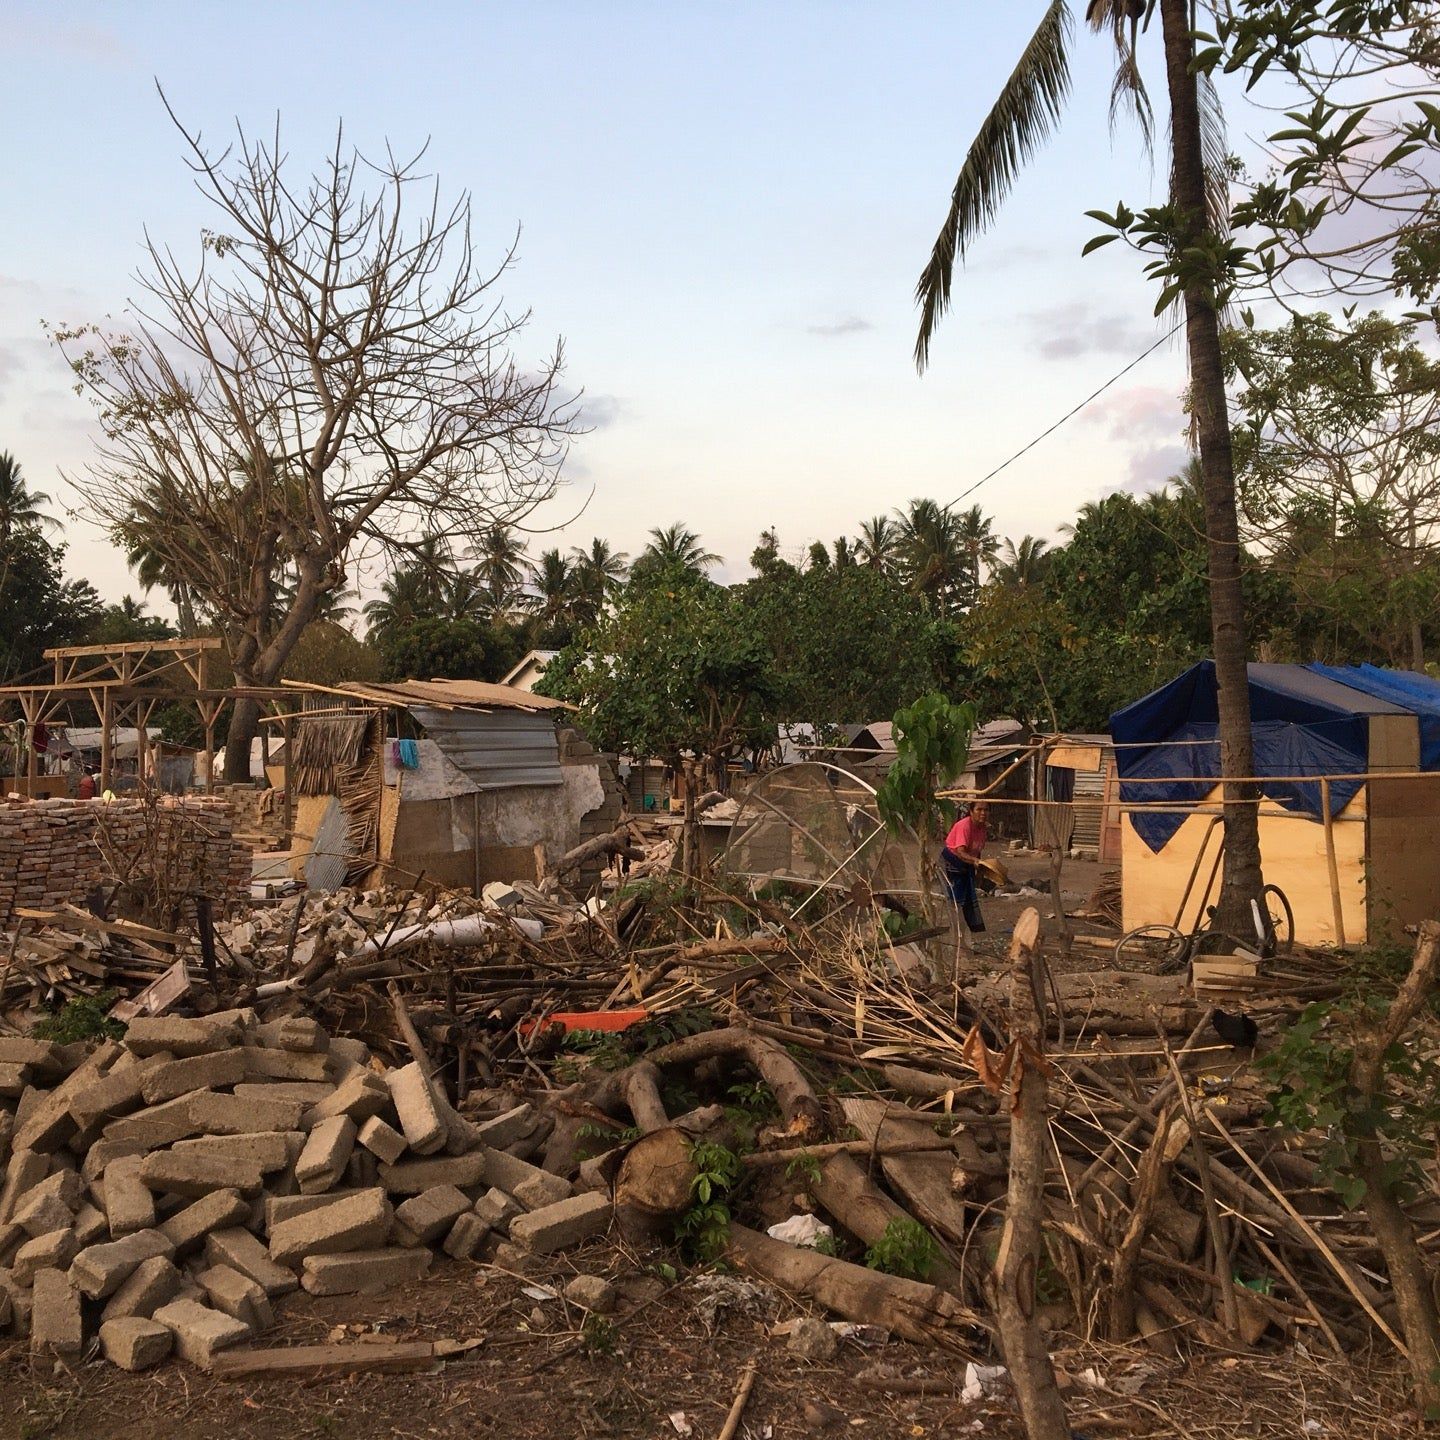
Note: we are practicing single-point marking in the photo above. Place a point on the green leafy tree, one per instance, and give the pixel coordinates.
(673, 670)
(329, 654)
(21, 508)
(441, 648)
(1337, 445)
(1195, 266)
(126, 622)
(41, 608)
(932, 747)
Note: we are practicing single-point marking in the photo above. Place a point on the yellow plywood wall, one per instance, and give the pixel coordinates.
(1292, 851)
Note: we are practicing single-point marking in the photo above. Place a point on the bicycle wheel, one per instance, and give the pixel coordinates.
(1161, 946)
(1279, 919)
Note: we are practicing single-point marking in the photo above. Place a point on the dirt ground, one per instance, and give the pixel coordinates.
(538, 1371)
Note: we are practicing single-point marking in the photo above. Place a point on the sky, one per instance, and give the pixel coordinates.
(722, 208)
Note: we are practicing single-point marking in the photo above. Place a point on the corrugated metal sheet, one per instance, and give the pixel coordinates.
(500, 751)
(1089, 791)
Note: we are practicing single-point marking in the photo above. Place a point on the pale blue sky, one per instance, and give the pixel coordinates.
(724, 208)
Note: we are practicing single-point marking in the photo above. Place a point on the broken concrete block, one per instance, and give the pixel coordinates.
(506, 1129)
(54, 1251)
(592, 1292)
(27, 1168)
(497, 1209)
(55, 1324)
(431, 1213)
(215, 1114)
(7, 1128)
(306, 1092)
(102, 1152)
(360, 1223)
(91, 1226)
(541, 1187)
(243, 1252)
(359, 1096)
(200, 1072)
(192, 1176)
(265, 1064)
(411, 1177)
(569, 1222)
(382, 1140)
(326, 1154)
(100, 1270)
(279, 1208)
(420, 1118)
(363, 1170)
(14, 1080)
(135, 1343)
(363, 1271)
(151, 1284)
(219, 1210)
(129, 1204)
(49, 1124)
(183, 1038)
(112, 1095)
(35, 1054)
(15, 1304)
(350, 1050)
(200, 1332)
(51, 1204)
(237, 1295)
(158, 1126)
(466, 1236)
(296, 1033)
(267, 1149)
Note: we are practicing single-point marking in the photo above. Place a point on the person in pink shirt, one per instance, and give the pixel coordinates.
(963, 847)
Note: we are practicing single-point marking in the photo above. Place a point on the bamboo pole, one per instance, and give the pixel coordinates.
(1330, 861)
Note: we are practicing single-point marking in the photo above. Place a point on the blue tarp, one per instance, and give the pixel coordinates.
(1408, 689)
(1304, 721)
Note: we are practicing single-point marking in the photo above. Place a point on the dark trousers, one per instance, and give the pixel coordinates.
(960, 881)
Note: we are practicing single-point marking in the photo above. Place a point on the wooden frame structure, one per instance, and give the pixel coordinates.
(124, 684)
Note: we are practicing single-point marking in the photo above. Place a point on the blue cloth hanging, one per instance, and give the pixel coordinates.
(408, 754)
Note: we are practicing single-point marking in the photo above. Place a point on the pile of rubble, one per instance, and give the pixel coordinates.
(161, 1193)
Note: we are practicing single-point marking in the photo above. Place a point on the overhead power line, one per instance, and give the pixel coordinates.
(1069, 415)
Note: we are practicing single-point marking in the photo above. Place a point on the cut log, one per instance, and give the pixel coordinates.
(914, 1311)
(295, 1361)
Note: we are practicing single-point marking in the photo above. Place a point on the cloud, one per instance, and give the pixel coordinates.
(1064, 332)
(846, 325)
(599, 412)
(1155, 466)
(69, 40)
(1143, 412)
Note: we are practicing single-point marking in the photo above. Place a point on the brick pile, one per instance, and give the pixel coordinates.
(52, 851)
(162, 1193)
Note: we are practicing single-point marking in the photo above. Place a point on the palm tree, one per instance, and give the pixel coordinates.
(931, 556)
(676, 545)
(845, 554)
(597, 573)
(19, 504)
(1023, 564)
(500, 563)
(553, 579)
(879, 543)
(1024, 114)
(975, 532)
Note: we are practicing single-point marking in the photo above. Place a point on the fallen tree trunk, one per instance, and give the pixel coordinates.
(908, 1308)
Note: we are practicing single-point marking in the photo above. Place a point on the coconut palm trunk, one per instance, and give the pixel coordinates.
(1241, 880)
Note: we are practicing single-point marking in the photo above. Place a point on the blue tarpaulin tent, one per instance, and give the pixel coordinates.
(1305, 720)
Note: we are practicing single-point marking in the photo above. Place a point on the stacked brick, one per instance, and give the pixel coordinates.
(161, 1195)
(54, 851)
(259, 814)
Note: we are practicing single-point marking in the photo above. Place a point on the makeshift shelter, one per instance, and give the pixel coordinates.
(461, 781)
(1349, 813)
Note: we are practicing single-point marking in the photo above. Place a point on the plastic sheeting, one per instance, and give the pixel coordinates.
(1304, 721)
(1408, 689)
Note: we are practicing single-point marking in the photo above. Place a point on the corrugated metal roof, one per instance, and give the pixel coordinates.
(500, 751)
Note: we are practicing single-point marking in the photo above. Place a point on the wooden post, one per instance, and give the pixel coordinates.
(107, 720)
(289, 728)
(1022, 1243)
(1330, 861)
(32, 762)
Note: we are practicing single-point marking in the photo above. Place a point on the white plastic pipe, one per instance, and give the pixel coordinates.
(470, 930)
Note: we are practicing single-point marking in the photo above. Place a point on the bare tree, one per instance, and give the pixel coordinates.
(334, 371)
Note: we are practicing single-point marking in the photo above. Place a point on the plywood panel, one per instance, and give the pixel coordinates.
(1394, 742)
(1404, 841)
(1292, 852)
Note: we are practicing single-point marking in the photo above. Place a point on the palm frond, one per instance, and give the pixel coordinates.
(1215, 152)
(1023, 116)
(1127, 90)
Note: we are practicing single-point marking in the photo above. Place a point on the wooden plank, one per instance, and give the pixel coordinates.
(292, 1361)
